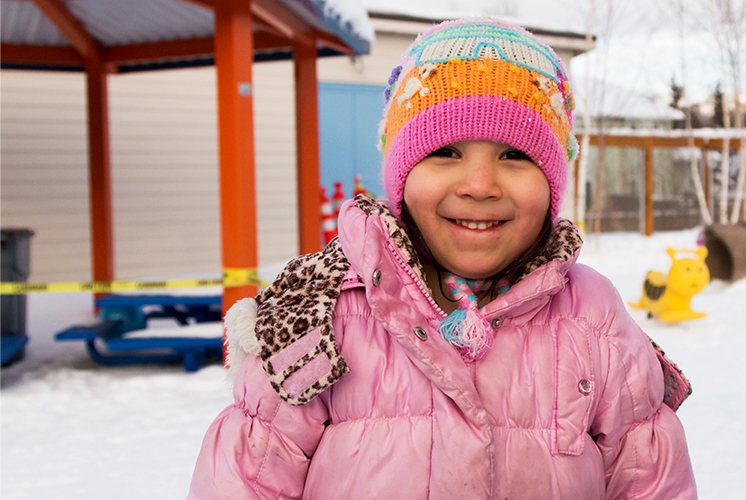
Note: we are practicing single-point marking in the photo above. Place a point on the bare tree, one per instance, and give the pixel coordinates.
(724, 169)
(740, 186)
(680, 12)
(585, 143)
(599, 195)
(728, 25)
(613, 22)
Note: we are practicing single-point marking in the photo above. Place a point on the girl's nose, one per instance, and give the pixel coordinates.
(479, 179)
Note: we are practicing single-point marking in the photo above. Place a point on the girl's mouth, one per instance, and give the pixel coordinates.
(476, 224)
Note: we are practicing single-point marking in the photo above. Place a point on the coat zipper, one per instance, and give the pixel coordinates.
(408, 269)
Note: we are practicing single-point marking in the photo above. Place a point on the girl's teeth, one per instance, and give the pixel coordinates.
(475, 225)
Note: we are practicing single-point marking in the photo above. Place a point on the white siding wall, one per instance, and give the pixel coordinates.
(274, 131)
(43, 176)
(164, 170)
(372, 69)
(164, 173)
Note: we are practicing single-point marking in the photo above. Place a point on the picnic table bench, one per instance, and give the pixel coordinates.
(11, 347)
(122, 323)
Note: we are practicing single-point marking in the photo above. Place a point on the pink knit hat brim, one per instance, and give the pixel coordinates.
(475, 118)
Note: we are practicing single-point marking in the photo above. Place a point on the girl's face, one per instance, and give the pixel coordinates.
(478, 204)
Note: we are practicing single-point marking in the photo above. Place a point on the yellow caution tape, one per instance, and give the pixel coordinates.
(237, 277)
(231, 278)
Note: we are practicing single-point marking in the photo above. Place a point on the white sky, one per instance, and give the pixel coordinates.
(642, 49)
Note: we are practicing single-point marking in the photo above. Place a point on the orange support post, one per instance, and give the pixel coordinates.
(99, 150)
(307, 126)
(99, 158)
(233, 60)
(649, 218)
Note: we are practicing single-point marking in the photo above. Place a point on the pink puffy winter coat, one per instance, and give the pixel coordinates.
(348, 391)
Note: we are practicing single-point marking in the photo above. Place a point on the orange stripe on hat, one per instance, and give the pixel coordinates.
(421, 89)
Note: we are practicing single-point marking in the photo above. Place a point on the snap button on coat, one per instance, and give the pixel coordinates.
(496, 323)
(585, 387)
(420, 333)
(376, 277)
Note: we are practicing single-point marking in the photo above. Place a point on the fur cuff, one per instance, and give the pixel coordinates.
(676, 386)
(239, 326)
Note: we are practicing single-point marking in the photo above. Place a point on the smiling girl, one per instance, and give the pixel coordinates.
(447, 345)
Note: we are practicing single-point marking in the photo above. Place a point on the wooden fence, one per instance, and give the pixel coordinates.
(648, 141)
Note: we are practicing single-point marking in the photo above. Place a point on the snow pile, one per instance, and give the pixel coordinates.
(71, 429)
(350, 15)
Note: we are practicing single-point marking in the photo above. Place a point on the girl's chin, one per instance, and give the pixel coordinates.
(469, 272)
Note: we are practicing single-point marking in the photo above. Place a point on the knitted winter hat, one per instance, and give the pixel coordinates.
(477, 78)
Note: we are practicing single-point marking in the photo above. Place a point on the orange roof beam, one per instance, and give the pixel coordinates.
(136, 53)
(207, 4)
(71, 28)
(264, 41)
(255, 21)
(41, 55)
(285, 22)
(152, 51)
(260, 26)
(267, 15)
(332, 42)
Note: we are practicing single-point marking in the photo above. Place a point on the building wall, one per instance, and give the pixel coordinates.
(374, 68)
(43, 173)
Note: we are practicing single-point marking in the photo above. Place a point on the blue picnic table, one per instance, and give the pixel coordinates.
(121, 314)
(11, 347)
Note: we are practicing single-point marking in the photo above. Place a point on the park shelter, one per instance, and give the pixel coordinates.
(101, 37)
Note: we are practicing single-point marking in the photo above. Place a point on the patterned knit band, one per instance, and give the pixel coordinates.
(477, 79)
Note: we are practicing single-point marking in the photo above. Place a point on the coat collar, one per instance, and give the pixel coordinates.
(292, 331)
(293, 326)
(364, 222)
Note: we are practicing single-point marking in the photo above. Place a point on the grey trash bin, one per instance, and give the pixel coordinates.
(15, 263)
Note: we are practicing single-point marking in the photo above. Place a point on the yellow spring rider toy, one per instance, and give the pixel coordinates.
(670, 297)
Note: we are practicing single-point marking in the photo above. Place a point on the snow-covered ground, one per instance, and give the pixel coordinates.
(73, 430)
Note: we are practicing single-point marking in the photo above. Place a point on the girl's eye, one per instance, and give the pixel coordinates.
(514, 154)
(446, 152)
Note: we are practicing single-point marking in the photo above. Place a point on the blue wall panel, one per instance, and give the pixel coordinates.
(348, 129)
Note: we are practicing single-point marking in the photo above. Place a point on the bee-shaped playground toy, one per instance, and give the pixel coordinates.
(670, 297)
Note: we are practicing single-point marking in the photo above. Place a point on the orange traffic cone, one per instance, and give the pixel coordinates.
(337, 199)
(328, 221)
(359, 189)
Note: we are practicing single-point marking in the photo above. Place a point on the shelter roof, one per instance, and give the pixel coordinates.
(175, 32)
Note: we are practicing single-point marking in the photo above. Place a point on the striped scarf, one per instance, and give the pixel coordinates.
(466, 327)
